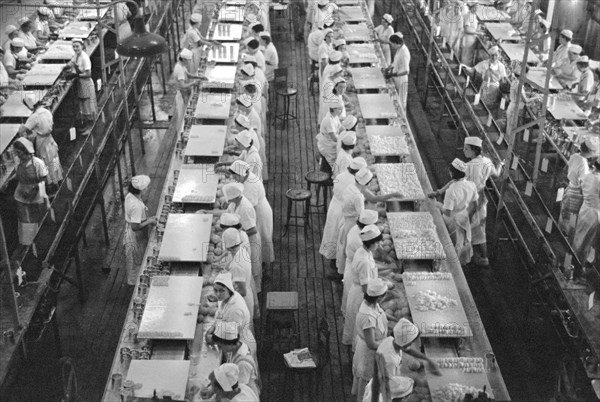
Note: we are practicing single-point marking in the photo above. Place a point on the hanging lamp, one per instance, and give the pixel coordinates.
(142, 43)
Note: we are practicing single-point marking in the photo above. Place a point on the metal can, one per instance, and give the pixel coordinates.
(490, 362)
(116, 381)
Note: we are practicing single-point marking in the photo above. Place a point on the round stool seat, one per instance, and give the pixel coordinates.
(317, 177)
(287, 91)
(298, 194)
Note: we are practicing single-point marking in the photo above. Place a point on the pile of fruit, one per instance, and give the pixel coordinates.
(429, 300)
(399, 178)
(382, 146)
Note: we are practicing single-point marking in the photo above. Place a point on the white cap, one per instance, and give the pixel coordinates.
(227, 376)
(388, 18)
(229, 219)
(24, 20)
(339, 79)
(77, 40)
(44, 11)
(322, 2)
(370, 232)
(248, 58)
(329, 21)
(140, 182)
(376, 287)
(364, 176)
(231, 238)
(475, 141)
(196, 17)
(575, 49)
(227, 330)
(248, 69)
(338, 42)
(567, 33)
(348, 138)
(29, 100)
(358, 163)
(264, 34)
(251, 17)
(27, 144)
(249, 40)
(244, 138)
(459, 165)
(17, 42)
(242, 121)
(593, 143)
(335, 56)
(583, 59)
(239, 167)
(398, 35)
(258, 25)
(232, 191)
(224, 279)
(349, 122)
(186, 54)
(10, 29)
(368, 217)
(493, 50)
(405, 332)
(327, 31)
(244, 101)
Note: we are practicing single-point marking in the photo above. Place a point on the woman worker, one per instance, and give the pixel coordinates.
(479, 169)
(451, 23)
(225, 384)
(38, 129)
(383, 33)
(232, 308)
(400, 68)
(329, 131)
(587, 233)
(469, 33)
(333, 90)
(247, 152)
(573, 197)
(184, 81)
(370, 329)
(512, 112)
(193, 40)
(363, 269)
(240, 268)
(241, 206)
(344, 158)
(334, 213)
(354, 197)
(136, 227)
(492, 72)
(353, 243)
(460, 197)
(30, 193)
(80, 67)
(26, 33)
(389, 353)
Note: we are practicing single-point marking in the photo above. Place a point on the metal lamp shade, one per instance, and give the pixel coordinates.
(142, 43)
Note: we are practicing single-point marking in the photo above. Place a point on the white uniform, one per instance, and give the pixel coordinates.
(327, 147)
(479, 170)
(587, 233)
(573, 197)
(334, 216)
(241, 271)
(384, 34)
(41, 123)
(458, 199)
(353, 243)
(271, 61)
(254, 190)
(402, 64)
(354, 203)
(235, 310)
(135, 212)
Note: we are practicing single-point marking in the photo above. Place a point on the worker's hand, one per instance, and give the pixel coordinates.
(433, 368)
(397, 195)
(152, 221)
(432, 195)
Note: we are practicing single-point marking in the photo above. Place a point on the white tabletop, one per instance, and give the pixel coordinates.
(516, 51)
(91, 14)
(362, 53)
(538, 77)
(227, 32)
(356, 32)
(346, 2)
(228, 54)
(7, 134)
(352, 13)
(197, 184)
(186, 238)
(502, 31)
(58, 50)
(42, 75)
(489, 13)
(78, 29)
(368, 78)
(159, 375)
(231, 14)
(213, 106)
(171, 309)
(567, 109)
(220, 76)
(14, 106)
(206, 141)
(377, 106)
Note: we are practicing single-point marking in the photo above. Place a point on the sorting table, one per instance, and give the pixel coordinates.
(58, 50)
(228, 54)
(186, 238)
(357, 32)
(197, 184)
(537, 76)
(368, 78)
(231, 13)
(14, 106)
(7, 134)
(377, 106)
(206, 140)
(227, 32)
(362, 53)
(91, 14)
(489, 13)
(566, 108)
(77, 29)
(213, 106)
(165, 376)
(221, 77)
(516, 51)
(171, 308)
(502, 31)
(42, 75)
(352, 14)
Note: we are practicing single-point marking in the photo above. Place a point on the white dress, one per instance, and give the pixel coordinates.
(241, 271)
(254, 190)
(41, 124)
(342, 162)
(573, 197)
(479, 170)
(457, 199)
(327, 147)
(353, 243)
(587, 233)
(384, 34)
(402, 64)
(363, 269)
(135, 212)
(236, 310)
(334, 215)
(354, 203)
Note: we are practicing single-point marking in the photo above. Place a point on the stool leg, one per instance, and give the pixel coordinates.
(318, 191)
(325, 196)
(286, 111)
(296, 110)
(307, 215)
(289, 214)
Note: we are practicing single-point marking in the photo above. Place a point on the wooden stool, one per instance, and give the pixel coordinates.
(298, 195)
(323, 182)
(282, 322)
(287, 94)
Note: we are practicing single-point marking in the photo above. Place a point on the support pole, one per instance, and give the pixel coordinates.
(8, 277)
(136, 95)
(429, 61)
